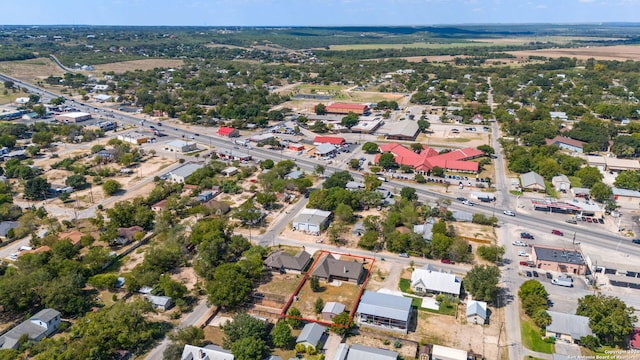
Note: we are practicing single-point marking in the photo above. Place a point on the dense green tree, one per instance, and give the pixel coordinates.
(76, 181)
(589, 175)
(370, 148)
(440, 245)
(314, 283)
(486, 149)
(491, 252)
(36, 189)
(281, 335)
(409, 193)
(387, 160)
(294, 316)
(437, 171)
(104, 281)
(111, 187)
(320, 109)
(249, 348)
(341, 323)
(243, 326)
(344, 213)
(610, 319)
(267, 164)
(191, 335)
(601, 192)
(542, 318)
(229, 287)
(628, 180)
(482, 282)
(368, 240)
(338, 179)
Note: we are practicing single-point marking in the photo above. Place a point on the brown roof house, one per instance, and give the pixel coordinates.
(127, 235)
(74, 236)
(159, 206)
(282, 262)
(330, 268)
(217, 207)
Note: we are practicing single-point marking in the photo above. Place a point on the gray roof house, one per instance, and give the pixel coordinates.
(283, 262)
(332, 309)
(5, 226)
(163, 303)
(462, 216)
(568, 327)
(209, 352)
(426, 230)
(311, 221)
(561, 183)
(296, 174)
(532, 181)
(358, 229)
(329, 268)
(312, 335)
(476, 312)
(385, 311)
(182, 173)
(42, 324)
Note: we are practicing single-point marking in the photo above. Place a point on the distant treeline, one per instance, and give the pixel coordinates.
(10, 53)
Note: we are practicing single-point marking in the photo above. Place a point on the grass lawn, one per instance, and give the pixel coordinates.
(320, 87)
(405, 285)
(531, 338)
(445, 309)
(408, 46)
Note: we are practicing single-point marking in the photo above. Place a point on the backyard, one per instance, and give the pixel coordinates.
(342, 292)
(531, 338)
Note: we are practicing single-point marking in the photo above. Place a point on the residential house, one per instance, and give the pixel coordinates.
(385, 311)
(163, 303)
(74, 236)
(205, 196)
(426, 230)
(294, 175)
(560, 115)
(5, 226)
(159, 206)
(281, 261)
(462, 216)
(217, 207)
(42, 324)
(634, 339)
(329, 268)
(561, 183)
(568, 327)
(127, 235)
(332, 309)
(532, 181)
(430, 280)
(227, 132)
(312, 334)
(358, 229)
(181, 174)
(567, 143)
(311, 221)
(439, 352)
(209, 352)
(477, 119)
(476, 312)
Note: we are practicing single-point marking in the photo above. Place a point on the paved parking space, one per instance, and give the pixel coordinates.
(563, 348)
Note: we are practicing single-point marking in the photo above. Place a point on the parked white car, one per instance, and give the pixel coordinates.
(509, 213)
(519, 243)
(522, 253)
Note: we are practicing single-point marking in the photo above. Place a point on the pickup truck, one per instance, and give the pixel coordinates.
(562, 281)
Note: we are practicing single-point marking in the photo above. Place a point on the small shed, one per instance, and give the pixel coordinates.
(230, 171)
(358, 229)
(163, 303)
(332, 309)
(476, 312)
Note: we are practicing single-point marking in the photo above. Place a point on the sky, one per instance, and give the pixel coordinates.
(313, 12)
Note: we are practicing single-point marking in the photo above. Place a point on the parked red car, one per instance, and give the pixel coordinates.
(524, 263)
(557, 232)
(446, 261)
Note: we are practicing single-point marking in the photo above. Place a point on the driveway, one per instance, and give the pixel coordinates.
(567, 349)
(331, 345)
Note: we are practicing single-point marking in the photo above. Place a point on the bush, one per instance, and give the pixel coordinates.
(397, 344)
(300, 348)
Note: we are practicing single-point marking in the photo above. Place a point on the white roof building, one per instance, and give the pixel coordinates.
(428, 279)
(209, 352)
(446, 353)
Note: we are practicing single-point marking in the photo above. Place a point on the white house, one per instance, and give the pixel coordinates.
(39, 326)
(311, 221)
(182, 173)
(430, 280)
(209, 352)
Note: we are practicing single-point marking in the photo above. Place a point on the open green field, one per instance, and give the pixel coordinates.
(306, 88)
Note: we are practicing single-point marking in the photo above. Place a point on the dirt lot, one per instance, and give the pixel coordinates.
(618, 52)
(31, 69)
(146, 64)
(342, 292)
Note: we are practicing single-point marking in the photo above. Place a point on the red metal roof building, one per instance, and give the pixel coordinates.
(228, 132)
(341, 108)
(429, 158)
(634, 341)
(337, 141)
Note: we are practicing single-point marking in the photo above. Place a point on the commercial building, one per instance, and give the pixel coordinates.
(386, 311)
(404, 130)
(228, 132)
(180, 146)
(311, 221)
(133, 137)
(182, 173)
(73, 117)
(423, 162)
(209, 352)
(559, 259)
(342, 108)
(337, 141)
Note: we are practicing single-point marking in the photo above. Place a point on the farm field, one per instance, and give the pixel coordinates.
(146, 64)
(411, 45)
(617, 52)
(32, 69)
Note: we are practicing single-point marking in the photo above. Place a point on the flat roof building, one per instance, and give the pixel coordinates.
(311, 220)
(404, 130)
(73, 117)
(386, 311)
(559, 259)
(180, 146)
(341, 108)
(182, 173)
(133, 137)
